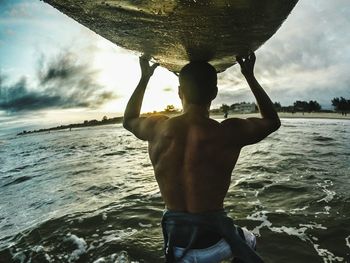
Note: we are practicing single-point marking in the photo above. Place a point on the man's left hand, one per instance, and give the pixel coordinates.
(147, 69)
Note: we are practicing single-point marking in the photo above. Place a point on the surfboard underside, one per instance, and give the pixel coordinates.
(174, 32)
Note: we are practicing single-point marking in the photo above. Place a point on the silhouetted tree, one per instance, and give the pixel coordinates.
(314, 105)
(224, 108)
(300, 105)
(277, 106)
(305, 106)
(170, 108)
(341, 104)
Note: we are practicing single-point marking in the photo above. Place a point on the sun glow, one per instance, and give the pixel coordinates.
(119, 72)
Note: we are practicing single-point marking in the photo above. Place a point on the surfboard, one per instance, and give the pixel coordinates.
(174, 32)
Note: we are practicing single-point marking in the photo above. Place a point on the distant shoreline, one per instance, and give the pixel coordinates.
(285, 115)
(289, 115)
(90, 123)
(315, 115)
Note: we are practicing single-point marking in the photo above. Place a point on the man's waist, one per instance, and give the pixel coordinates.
(215, 224)
(204, 238)
(200, 217)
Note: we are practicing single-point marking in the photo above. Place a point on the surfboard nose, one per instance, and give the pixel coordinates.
(174, 32)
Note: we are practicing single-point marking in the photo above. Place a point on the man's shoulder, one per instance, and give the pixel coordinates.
(155, 117)
(233, 122)
(233, 127)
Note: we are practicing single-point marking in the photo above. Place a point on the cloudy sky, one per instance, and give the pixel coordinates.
(55, 71)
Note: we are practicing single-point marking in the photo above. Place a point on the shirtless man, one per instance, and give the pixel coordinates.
(193, 157)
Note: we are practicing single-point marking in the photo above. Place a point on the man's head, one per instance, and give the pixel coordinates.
(198, 83)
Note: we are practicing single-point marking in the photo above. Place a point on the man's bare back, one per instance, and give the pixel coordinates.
(193, 156)
(193, 162)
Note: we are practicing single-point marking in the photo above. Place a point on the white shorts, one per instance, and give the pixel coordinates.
(215, 253)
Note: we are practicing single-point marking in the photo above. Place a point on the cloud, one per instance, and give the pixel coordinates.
(314, 36)
(307, 59)
(63, 82)
(14, 11)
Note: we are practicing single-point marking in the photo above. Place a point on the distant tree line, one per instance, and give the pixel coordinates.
(341, 105)
(300, 106)
(105, 120)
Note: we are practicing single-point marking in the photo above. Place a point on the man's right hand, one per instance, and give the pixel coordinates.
(247, 64)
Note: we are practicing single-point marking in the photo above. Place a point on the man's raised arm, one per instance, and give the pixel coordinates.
(265, 105)
(253, 130)
(141, 127)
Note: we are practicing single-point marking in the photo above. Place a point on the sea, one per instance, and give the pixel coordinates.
(89, 195)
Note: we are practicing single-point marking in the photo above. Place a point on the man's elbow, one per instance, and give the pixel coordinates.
(276, 124)
(126, 124)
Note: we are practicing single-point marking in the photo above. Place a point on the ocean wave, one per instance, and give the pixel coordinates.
(321, 138)
(20, 168)
(257, 184)
(18, 180)
(99, 187)
(283, 188)
(121, 152)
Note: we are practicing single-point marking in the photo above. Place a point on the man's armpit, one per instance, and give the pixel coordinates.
(146, 127)
(242, 132)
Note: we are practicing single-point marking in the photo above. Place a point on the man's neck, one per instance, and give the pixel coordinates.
(198, 110)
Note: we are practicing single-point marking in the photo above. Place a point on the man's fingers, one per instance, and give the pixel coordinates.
(252, 56)
(239, 60)
(145, 57)
(143, 61)
(154, 66)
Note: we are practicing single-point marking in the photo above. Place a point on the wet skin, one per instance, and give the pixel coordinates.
(193, 156)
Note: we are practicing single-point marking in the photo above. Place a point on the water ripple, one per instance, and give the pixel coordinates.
(96, 186)
(18, 180)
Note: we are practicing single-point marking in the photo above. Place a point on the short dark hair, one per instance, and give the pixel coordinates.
(198, 82)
